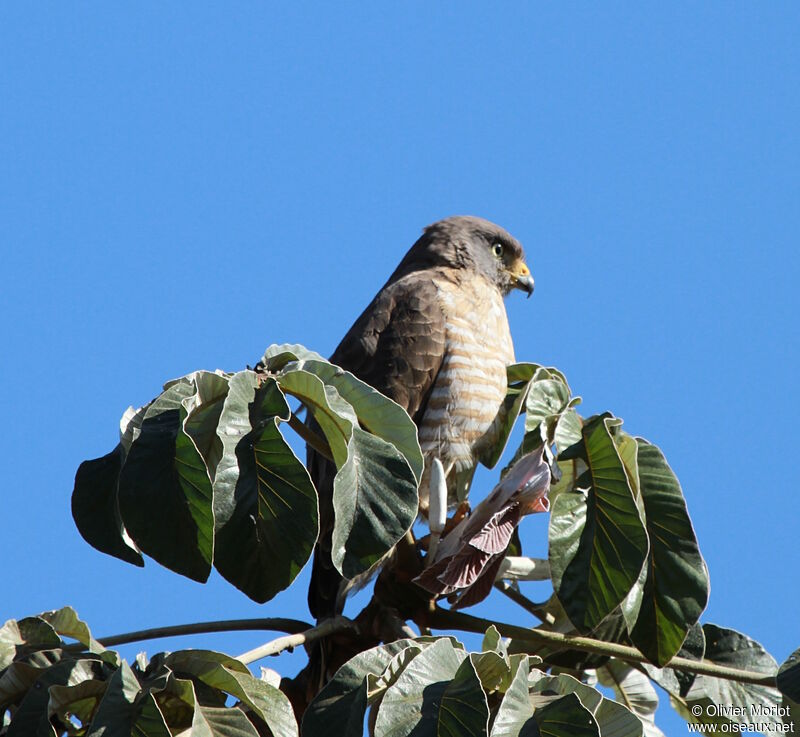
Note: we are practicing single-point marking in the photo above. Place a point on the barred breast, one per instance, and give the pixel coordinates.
(461, 414)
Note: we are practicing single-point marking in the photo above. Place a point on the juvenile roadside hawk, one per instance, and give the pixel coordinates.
(436, 340)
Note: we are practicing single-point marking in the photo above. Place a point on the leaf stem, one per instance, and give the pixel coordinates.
(448, 619)
(314, 440)
(279, 644)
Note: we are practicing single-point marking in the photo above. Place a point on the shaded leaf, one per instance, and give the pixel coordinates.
(634, 689)
(598, 543)
(263, 492)
(613, 719)
(117, 710)
(760, 703)
(165, 496)
(376, 413)
(95, 509)
(227, 674)
(339, 708)
(676, 589)
(150, 721)
(789, 676)
(519, 377)
(375, 502)
(565, 717)
(438, 693)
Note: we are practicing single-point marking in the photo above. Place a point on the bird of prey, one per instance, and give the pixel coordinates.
(436, 340)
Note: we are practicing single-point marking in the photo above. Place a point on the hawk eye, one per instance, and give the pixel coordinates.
(497, 248)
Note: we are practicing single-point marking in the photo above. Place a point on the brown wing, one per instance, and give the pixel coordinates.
(397, 346)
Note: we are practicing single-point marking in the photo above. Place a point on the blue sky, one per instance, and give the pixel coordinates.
(180, 188)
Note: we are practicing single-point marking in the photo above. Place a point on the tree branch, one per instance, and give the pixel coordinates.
(279, 644)
(279, 624)
(529, 606)
(448, 619)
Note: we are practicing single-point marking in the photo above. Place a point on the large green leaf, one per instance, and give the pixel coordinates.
(634, 689)
(65, 622)
(264, 497)
(165, 494)
(759, 705)
(375, 502)
(150, 721)
(31, 717)
(375, 496)
(339, 708)
(438, 693)
(227, 674)
(613, 719)
(676, 588)
(118, 708)
(564, 717)
(95, 508)
(788, 678)
(515, 709)
(598, 543)
(375, 412)
(335, 416)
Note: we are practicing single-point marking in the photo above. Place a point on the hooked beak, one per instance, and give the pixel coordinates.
(521, 277)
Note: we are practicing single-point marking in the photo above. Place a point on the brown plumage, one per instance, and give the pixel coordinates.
(436, 340)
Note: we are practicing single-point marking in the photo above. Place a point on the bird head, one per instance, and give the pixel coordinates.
(465, 241)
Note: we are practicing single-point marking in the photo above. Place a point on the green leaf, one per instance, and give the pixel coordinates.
(95, 509)
(676, 588)
(150, 722)
(263, 493)
(519, 377)
(789, 676)
(565, 717)
(494, 671)
(227, 674)
(378, 685)
(375, 502)
(493, 642)
(66, 623)
(515, 709)
(31, 718)
(277, 356)
(76, 702)
(438, 693)
(118, 709)
(335, 417)
(760, 704)
(165, 496)
(613, 719)
(376, 413)
(598, 543)
(203, 409)
(635, 690)
(339, 708)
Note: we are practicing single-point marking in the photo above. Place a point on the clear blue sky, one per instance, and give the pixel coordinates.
(181, 187)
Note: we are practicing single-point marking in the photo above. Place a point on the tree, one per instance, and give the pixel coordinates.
(203, 476)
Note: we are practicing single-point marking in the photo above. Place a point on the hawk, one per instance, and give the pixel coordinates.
(436, 340)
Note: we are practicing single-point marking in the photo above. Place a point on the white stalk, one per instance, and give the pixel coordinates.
(437, 511)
